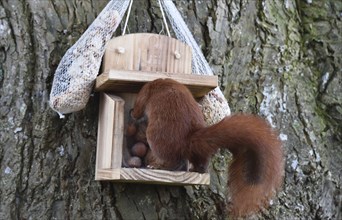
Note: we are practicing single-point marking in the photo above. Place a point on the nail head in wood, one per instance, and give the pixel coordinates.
(120, 50)
(177, 55)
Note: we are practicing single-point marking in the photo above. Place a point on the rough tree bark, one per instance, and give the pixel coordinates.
(279, 59)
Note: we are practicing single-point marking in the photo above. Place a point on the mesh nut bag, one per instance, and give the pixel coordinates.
(77, 71)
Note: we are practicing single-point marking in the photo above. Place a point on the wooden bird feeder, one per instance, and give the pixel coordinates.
(129, 62)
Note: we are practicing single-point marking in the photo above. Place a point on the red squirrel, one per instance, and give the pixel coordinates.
(176, 131)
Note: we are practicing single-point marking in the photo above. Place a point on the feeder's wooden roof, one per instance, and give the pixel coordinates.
(132, 81)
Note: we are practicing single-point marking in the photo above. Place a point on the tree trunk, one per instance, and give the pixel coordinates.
(279, 59)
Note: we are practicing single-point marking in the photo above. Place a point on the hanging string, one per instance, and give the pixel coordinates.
(127, 17)
(164, 19)
(163, 14)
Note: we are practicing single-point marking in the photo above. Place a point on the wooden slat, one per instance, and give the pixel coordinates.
(107, 174)
(110, 132)
(154, 176)
(118, 130)
(132, 81)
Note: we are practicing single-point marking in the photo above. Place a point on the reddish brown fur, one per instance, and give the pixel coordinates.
(169, 123)
(176, 131)
(257, 168)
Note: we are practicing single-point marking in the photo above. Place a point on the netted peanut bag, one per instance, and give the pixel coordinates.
(76, 73)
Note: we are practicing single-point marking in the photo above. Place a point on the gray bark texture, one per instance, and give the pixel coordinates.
(279, 59)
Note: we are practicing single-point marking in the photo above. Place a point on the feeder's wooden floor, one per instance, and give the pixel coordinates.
(132, 81)
(153, 176)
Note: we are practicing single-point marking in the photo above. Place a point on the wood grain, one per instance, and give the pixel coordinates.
(147, 52)
(154, 176)
(132, 81)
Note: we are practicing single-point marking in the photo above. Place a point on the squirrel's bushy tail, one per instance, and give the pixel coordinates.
(257, 169)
